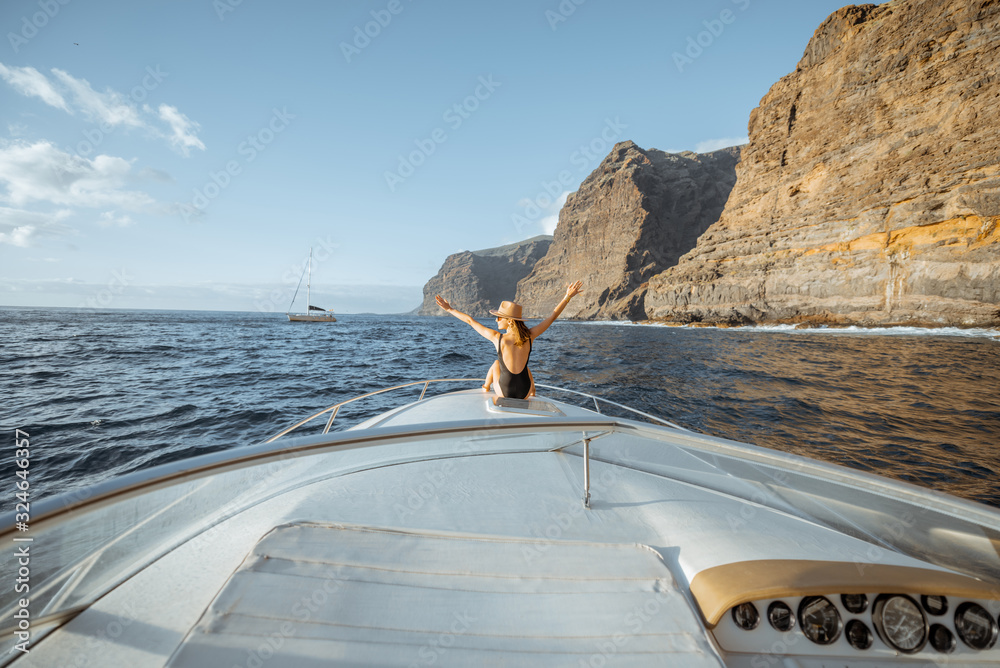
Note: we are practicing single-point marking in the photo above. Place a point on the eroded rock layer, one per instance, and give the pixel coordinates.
(870, 190)
(476, 281)
(633, 217)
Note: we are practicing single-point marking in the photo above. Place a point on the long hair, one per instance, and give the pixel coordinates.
(521, 333)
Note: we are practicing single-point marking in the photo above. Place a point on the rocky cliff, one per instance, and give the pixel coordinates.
(476, 281)
(633, 217)
(870, 190)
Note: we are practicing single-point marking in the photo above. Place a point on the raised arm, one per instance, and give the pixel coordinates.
(572, 290)
(466, 318)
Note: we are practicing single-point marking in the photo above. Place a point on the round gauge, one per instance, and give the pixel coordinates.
(934, 605)
(976, 627)
(855, 603)
(900, 622)
(819, 619)
(941, 639)
(858, 634)
(746, 616)
(780, 616)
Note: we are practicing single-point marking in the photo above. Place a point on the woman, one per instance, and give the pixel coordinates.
(510, 372)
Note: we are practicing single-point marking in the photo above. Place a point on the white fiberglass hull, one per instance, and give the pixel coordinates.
(450, 532)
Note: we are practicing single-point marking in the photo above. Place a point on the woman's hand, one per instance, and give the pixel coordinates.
(483, 330)
(573, 289)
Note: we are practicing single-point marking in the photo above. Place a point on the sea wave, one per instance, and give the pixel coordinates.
(910, 403)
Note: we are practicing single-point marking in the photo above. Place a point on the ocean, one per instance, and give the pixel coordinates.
(103, 393)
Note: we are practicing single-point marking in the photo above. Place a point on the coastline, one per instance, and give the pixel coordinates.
(887, 330)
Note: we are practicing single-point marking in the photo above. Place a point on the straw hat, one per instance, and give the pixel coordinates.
(508, 310)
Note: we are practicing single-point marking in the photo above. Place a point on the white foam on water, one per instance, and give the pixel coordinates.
(610, 323)
(883, 331)
(980, 332)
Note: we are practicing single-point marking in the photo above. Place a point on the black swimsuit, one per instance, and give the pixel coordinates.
(514, 385)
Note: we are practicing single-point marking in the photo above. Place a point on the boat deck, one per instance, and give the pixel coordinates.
(472, 546)
(405, 597)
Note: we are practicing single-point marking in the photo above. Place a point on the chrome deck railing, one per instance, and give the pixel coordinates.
(334, 409)
(597, 407)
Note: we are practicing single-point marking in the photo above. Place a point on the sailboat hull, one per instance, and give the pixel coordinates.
(302, 317)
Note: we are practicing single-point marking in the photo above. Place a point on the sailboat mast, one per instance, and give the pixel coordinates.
(309, 282)
(326, 316)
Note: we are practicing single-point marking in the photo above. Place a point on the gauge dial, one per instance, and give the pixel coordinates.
(976, 627)
(900, 622)
(941, 639)
(854, 603)
(858, 634)
(780, 616)
(934, 605)
(819, 619)
(746, 616)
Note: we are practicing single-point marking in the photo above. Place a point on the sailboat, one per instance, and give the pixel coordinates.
(313, 313)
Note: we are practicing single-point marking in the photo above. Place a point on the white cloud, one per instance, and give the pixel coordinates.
(109, 107)
(40, 172)
(18, 236)
(710, 145)
(21, 228)
(110, 219)
(185, 130)
(551, 219)
(30, 82)
(155, 175)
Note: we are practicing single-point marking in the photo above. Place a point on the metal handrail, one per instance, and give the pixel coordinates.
(334, 409)
(613, 403)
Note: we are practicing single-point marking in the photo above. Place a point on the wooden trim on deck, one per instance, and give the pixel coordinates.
(719, 588)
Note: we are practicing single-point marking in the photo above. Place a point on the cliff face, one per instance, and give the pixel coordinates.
(870, 190)
(476, 281)
(633, 217)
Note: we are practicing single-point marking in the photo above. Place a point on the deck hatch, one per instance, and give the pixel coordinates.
(319, 594)
(525, 406)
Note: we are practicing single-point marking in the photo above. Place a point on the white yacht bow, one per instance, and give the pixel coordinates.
(454, 531)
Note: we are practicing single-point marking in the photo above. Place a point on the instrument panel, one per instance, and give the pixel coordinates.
(876, 624)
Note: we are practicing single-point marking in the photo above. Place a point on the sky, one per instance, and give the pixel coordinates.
(188, 154)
